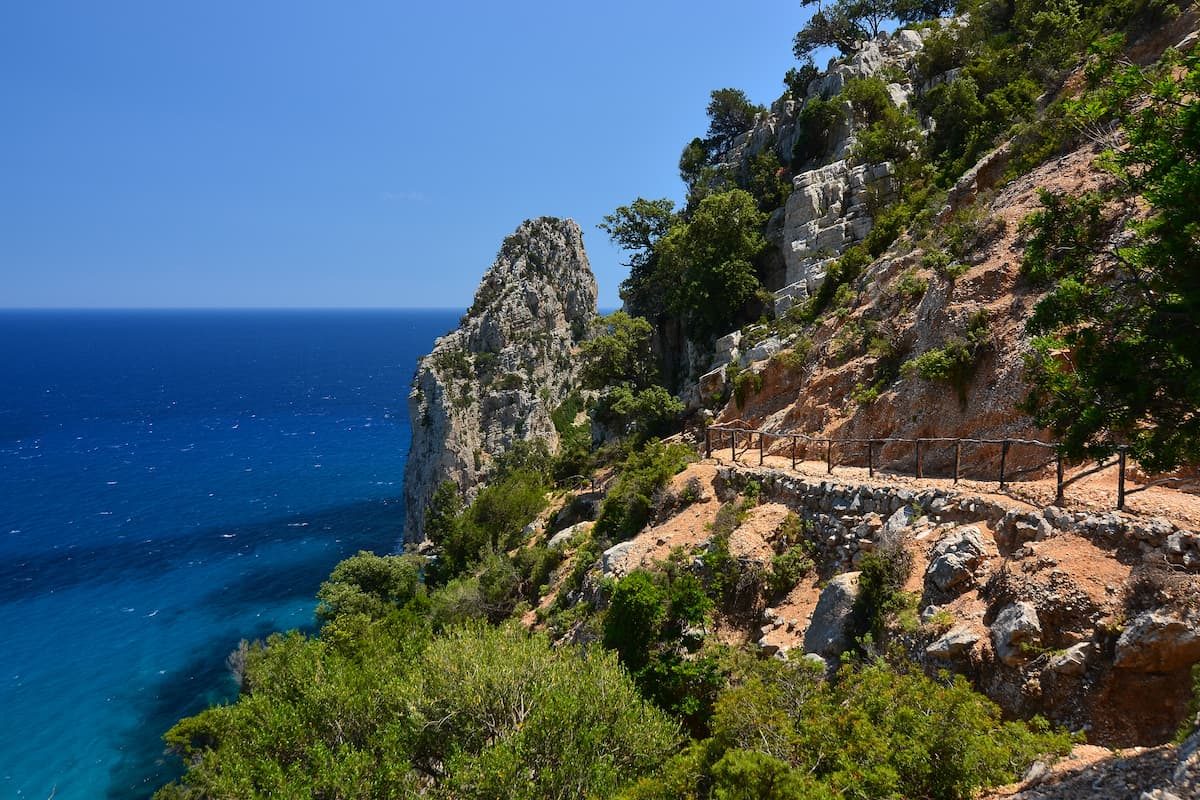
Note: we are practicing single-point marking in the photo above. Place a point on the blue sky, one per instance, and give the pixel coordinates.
(355, 154)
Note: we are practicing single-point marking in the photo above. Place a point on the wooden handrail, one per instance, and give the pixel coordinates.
(1006, 444)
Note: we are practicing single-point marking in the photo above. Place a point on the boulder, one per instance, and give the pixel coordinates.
(1014, 628)
(563, 537)
(1158, 641)
(827, 633)
(761, 351)
(953, 644)
(712, 385)
(615, 560)
(1072, 661)
(955, 558)
(898, 521)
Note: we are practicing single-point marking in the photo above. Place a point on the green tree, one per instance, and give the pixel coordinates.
(619, 352)
(730, 113)
(1116, 354)
(639, 413)
(636, 229)
(711, 260)
(839, 25)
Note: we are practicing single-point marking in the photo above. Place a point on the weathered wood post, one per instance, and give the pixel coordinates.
(957, 457)
(919, 470)
(870, 458)
(1121, 454)
(1003, 459)
(733, 444)
(1058, 487)
(793, 452)
(761, 436)
(829, 456)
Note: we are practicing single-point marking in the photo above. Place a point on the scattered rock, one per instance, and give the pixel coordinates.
(1157, 641)
(1072, 661)
(1015, 626)
(953, 644)
(955, 558)
(827, 635)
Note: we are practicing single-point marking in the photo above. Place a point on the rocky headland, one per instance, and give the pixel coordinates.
(496, 378)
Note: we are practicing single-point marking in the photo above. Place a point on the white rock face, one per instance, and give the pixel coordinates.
(496, 379)
(825, 214)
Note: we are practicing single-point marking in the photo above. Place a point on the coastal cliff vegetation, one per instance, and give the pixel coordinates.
(511, 655)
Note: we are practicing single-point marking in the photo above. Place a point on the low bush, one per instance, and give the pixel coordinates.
(787, 568)
(626, 508)
(953, 363)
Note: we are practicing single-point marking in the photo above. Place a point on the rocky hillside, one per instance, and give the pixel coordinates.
(954, 278)
(496, 379)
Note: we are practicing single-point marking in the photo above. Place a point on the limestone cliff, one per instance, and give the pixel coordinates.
(496, 379)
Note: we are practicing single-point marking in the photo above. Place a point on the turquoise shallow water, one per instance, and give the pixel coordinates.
(170, 483)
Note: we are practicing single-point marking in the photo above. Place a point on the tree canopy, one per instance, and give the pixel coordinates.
(1116, 356)
(709, 260)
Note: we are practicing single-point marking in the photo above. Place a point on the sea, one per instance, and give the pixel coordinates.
(172, 482)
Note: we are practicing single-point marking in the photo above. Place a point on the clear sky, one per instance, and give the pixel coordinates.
(261, 153)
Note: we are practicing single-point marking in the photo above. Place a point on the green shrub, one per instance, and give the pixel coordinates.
(503, 509)
(943, 264)
(869, 98)
(788, 568)
(911, 287)
(876, 731)
(459, 602)
(953, 363)
(894, 137)
(816, 121)
(639, 413)
(369, 584)
(883, 572)
(889, 224)
(746, 384)
(626, 507)
(636, 613)
(769, 182)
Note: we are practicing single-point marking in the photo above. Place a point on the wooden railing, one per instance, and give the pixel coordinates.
(918, 444)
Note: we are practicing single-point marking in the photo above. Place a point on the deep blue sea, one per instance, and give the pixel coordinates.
(171, 483)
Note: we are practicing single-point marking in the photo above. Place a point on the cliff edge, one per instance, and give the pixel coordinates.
(497, 378)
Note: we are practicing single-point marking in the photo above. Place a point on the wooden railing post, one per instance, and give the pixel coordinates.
(1058, 486)
(829, 456)
(870, 458)
(919, 470)
(761, 436)
(793, 452)
(1121, 452)
(1003, 459)
(733, 444)
(957, 457)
